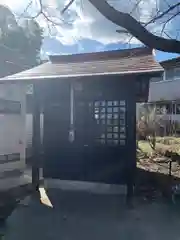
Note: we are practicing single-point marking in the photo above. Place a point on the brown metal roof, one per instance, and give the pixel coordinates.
(171, 63)
(121, 62)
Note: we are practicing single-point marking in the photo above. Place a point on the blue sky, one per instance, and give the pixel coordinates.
(160, 56)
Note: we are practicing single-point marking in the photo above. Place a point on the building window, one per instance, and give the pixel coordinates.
(177, 108)
(111, 119)
(169, 74)
(29, 89)
(164, 108)
(157, 79)
(169, 108)
(177, 73)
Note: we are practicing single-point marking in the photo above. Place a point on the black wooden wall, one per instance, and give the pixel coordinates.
(86, 159)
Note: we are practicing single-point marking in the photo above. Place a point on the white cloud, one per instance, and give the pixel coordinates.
(15, 5)
(87, 22)
(82, 20)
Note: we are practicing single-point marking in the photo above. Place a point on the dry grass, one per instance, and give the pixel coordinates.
(155, 161)
(162, 145)
(168, 140)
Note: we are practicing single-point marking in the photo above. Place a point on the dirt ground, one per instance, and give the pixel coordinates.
(83, 215)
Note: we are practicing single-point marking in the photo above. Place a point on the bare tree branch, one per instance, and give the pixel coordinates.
(135, 28)
(166, 22)
(163, 14)
(167, 35)
(167, 3)
(127, 22)
(25, 10)
(45, 15)
(67, 6)
(40, 10)
(135, 6)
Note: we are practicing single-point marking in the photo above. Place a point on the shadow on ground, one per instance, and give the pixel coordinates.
(83, 215)
(155, 185)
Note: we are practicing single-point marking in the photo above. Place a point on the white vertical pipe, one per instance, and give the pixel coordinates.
(23, 88)
(71, 132)
(72, 106)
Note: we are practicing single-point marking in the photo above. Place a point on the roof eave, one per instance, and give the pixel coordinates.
(32, 78)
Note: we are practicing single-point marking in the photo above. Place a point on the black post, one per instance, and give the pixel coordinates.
(131, 144)
(36, 137)
(170, 167)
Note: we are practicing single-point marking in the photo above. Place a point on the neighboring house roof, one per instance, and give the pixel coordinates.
(121, 62)
(171, 63)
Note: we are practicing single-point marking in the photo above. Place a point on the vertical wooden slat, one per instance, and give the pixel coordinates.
(36, 137)
(131, 142)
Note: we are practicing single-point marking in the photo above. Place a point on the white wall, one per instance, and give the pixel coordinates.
(164, 90)
(12, 126)
(12, 132)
